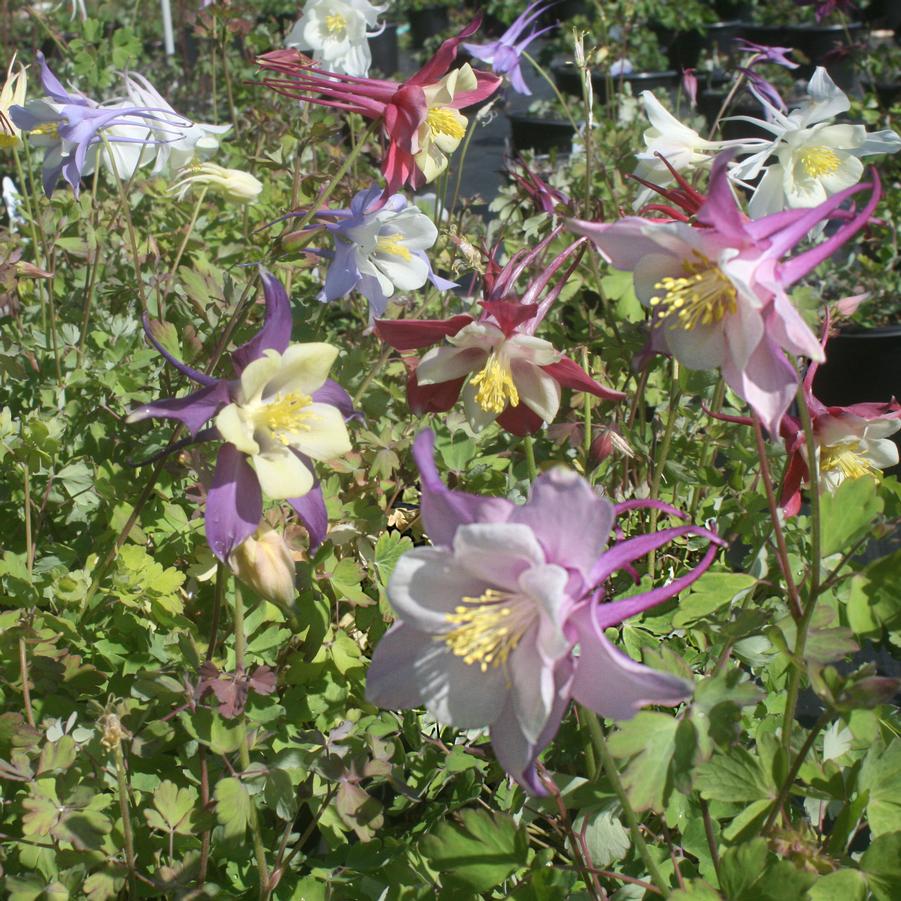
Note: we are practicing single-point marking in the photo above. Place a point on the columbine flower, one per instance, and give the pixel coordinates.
(504, 371)
(336, 32)
(234, 184)
(173, 151)
(851, 442)
(281, 411)
(265, 562)
(12, 93)
(814, 158)
(682, 147)
(763, 53)
(420, 117)
(490, 616)
(380, 247)
(505, 54)
(717, 295)
(69, 127)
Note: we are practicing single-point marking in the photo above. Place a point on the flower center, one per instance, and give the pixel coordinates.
(443, 120)
(392, 244)
(703, 296)
(488, 627)
(46, 128)
(335, 23)
(847, 459)
(819, 161)
(286, 416)
(495, 384)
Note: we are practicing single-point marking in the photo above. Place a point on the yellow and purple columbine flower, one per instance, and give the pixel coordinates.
(505, 54)
(503, 371)
(501, 621)
(279, 413)
(717, 294)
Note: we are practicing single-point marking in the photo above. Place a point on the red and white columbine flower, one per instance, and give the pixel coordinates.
(717, 294)
(502, 370)
(420, 117)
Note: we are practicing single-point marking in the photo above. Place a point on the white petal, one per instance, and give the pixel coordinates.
(497, 553)
(304, 368)
(537, 390)
(282, 474)
(236, 429)
(441, 364)
(327, 437)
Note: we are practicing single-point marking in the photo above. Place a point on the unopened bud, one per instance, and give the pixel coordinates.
(235, 184)
(265, 563)
(606, 442)
(113, 732)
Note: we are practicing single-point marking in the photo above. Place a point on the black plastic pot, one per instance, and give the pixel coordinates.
(427, 23)
(710, 101)
(683, 48)
(720, 37)
(887, 92)
(861, 365)
(566, 76)
(384, 51)
(539, 135)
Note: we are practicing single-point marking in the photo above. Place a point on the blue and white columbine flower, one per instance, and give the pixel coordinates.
(380, 248)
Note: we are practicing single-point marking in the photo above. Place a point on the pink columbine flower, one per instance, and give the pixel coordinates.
(851, 442)
(718, 295)
(501, 621)
(420, 117)
(504, 372)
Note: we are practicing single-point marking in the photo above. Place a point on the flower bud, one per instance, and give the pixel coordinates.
(265, 563)
(113, 732)
(234, 184)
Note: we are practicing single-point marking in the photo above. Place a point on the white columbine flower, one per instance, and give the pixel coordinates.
(336, 32)
(815, 158)
(849, 447)
(234, 184)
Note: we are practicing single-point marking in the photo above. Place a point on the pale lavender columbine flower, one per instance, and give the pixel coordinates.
(380, 248)
(69, 125)
(717, 294)
(501, 622)
(505, 54)
(279, 412)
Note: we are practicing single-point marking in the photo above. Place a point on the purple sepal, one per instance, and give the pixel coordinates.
(276, 331)
(194, 374)
(443, 510)
(193, 409)
(234, 504)
(312, 513)
(332, 393)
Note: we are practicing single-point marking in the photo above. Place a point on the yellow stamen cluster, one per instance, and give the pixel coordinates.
(819, 161)
(703, 296)
(446, 121)
(335, 23)
(848, 460)
(392, 244)
(488, 629)
(495, 384)
(46, 128)
(286, 416)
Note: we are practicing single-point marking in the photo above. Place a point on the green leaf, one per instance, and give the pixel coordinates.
(232, 807)
(842, 885)
(607, 839)
(734, 776)
(880, 775)
(741, 867)
(650, 740)
(873, 603)
(479, 853)
(172, 808)
(882, 864)
(709, 593)
(280, 794)
(57, 755)
(390, 547)
(847, 514)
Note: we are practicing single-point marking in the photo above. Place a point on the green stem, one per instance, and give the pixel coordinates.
(26, 688)
(663, 456)
(184, 243)
(706, 447)
(259, 849)
(797, 662)
(91, 279)
(461, 159)
(529, 446)
(537, 67)
(228, 86)
(125, 813)
(29, 539)
(30, 211)
(609, 765)
(785, 788)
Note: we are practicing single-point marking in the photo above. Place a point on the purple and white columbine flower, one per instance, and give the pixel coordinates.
(505, 54)
(68, 127)
(764, 53)
(718, 294)
(501, 622)
(380, 248)
(280, 411)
